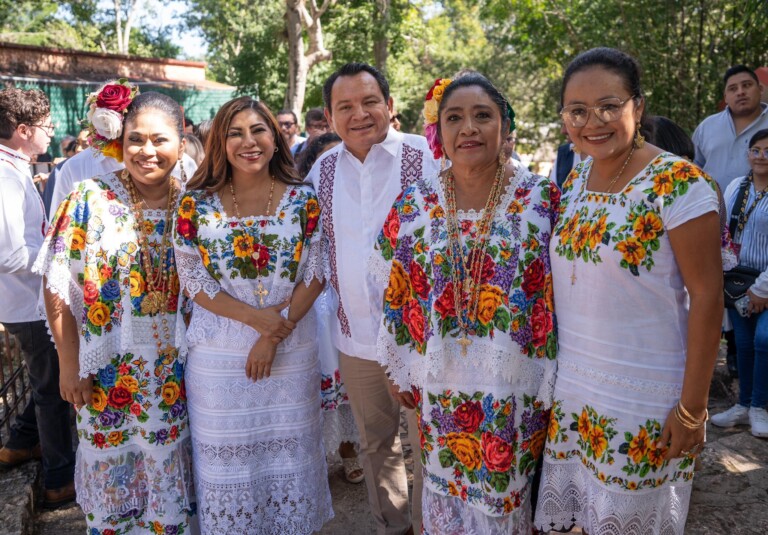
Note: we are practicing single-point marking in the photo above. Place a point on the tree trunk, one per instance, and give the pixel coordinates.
(381, 42)
(300, 18)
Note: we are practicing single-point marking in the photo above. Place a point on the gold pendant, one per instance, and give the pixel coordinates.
(151, 303)
(464, 342)
(261, 292)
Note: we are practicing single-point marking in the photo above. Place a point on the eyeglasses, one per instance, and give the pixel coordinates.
(608, 111)
(757, 153)
(286, 124)
(49, 129)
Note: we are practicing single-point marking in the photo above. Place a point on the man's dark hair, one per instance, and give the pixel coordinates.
(313, 115)
(759, 136)
(353, 69)
(188, 122)
(738, 69)
(288, 112)
(669, 136)
(21, 106)
(306, 158)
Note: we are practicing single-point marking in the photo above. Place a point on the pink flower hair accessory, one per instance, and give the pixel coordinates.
(431, 106)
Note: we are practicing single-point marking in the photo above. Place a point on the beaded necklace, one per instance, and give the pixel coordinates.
(466, 270)
(158, 282)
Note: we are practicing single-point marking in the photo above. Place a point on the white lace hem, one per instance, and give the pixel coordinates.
(313, 268)
(571, 496)
(449, 515)
(653, 389)
(338, 427)
(408, 368)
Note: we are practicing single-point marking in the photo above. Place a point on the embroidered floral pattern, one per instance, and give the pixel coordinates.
(515, 297)
(332, 391)
(250, 248)
(485, 443)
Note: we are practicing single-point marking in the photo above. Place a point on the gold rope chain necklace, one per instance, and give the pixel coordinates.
(466, 286)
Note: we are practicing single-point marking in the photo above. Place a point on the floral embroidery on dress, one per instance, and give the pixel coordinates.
(515, 296)
(332, 392)
(476, 435)
(582, 232)
(250, 248)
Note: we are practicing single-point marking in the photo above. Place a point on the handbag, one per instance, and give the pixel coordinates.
(737, 281)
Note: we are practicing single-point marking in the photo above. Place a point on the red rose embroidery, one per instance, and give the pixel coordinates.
(468, 416)
(186, 229)
(498, 454)
(119, 397)
(533, 278)
(115, 97)
(419, 280)
(554, 196)
(311, 226)
(413, 317)
(173, 302)
(174, 434)
(392, 227)
(135, 409)
(489, 268)
(445, 305)
(99, 440)
(326, 383)
(62, 223)
(260, 256)
(90, 292)
(541, 323)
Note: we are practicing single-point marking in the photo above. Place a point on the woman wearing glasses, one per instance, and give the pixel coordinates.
(637, 228)
(747, 201)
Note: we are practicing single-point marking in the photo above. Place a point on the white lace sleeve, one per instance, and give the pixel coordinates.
(193, 276)
(379, 268)
(313, 262)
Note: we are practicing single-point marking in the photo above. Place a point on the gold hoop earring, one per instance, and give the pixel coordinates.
(639, 141)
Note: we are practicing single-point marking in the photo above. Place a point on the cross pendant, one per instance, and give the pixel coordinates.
(261, 292)
(464, 342)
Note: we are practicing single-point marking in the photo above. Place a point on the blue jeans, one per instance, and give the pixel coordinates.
(46, 418)
(752, 357)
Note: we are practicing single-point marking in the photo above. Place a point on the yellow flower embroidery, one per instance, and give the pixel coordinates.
(632, 250)
(243, 246)
(647, 226)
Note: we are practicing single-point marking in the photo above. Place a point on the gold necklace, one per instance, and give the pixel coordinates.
(158, 289)
(616, 177)
(466, 285)
(261, 292)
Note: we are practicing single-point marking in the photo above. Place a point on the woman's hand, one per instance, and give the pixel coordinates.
(260, 359)
(270, 324)
(403, 398)
(75, 389)
(756, 304)
(681, 440)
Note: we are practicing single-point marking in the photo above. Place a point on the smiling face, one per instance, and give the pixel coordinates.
(151, 147)
(742, 94)
(601, 140)
(359, 113)
(759, 163)
(250, 145)
(470, 127)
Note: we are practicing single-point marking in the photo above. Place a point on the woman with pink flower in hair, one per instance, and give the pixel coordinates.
(468, 326)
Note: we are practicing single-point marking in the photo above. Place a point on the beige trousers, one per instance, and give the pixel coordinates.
(377, 416)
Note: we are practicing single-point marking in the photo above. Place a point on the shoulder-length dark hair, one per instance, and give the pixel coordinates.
(215, 169)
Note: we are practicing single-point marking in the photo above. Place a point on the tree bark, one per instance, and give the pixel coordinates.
(303, 16)
(381, 42)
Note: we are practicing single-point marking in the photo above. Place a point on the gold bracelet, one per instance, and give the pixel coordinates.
(689, 424)
(690, 416)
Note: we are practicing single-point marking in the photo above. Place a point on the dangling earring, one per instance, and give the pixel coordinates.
(502, 158)
(639, 140)
(276, 149)
(442, 163)
(183, 173)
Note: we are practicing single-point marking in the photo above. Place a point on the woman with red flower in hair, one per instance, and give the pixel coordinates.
(468, 332)
(247, 246)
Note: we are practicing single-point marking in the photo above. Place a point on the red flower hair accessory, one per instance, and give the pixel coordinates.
(106, 114)
(431, 105)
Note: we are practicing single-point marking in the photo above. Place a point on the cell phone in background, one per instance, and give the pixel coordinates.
(40, 168)
(741, 306)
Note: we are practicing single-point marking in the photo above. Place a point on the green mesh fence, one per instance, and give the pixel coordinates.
(68, 102)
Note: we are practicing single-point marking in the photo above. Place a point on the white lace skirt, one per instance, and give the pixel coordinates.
(258, 457)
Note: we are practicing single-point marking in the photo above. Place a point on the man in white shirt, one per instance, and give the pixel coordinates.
(722, 139)
(26, 131)
(356, 182)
